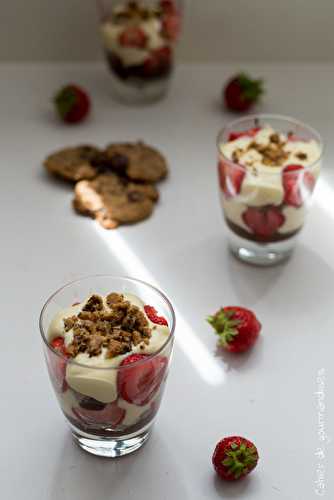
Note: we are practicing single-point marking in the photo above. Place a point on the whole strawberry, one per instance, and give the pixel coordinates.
(241, 92)
(234, 457)
(237, 327)
(72, 103)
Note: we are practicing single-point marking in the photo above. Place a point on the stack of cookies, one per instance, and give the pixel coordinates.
(115, 185)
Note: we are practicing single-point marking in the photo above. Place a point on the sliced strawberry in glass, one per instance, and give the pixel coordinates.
(152, 315)
(134, 37)
(171, 26)
(138, 384)
(230, 178)
(297, 185)
(111, 414)
(159, 61)
(58, 364)
(245, 133)
(263, 221)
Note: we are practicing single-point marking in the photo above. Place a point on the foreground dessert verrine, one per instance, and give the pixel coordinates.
(108, 359)
(267, 175)
(139, 39)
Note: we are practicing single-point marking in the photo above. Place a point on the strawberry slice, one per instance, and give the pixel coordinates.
(171, 26)
(138, 384)
(58, 365)
(152, 315)
(158, 62)
(111, 414)
(263, 221)
(168, 5)
(230, 178)
(246, 133)
(295, 138)
(132, 36)
(297, 185)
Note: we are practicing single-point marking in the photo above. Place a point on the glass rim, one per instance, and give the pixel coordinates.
(269, 116)
(125, 278)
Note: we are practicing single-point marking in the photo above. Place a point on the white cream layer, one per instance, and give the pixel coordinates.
(101, 383)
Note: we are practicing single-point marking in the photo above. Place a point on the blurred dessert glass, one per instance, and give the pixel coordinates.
(268, 166)
(139, 40)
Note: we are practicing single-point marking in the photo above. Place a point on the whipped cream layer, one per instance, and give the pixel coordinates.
(262, 184)
(101, 383)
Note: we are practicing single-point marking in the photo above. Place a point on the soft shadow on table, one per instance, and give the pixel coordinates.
(239, 489)
(139, 476)
(251, 283)
(43, 176)
(242, 361)
(292, 284)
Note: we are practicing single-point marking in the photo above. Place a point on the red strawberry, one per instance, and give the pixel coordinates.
(133, 36)
(237, 327)
(58, 365)
(171, 26)
(296, 186)
(295, 138)
(241, 92)
(168, 5)
(158, 62)
(234, 457)
(230, 178)
(245, 133)
(72, 103)
(263, 221)
(111, 414)
(153, 316)
(138, 384)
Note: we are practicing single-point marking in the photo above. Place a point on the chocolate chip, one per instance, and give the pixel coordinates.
(91, 404)
(119, 162)
(135, 196)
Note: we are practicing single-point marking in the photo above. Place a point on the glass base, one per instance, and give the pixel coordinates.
(110, 448)
(257, 254)
(139, 92)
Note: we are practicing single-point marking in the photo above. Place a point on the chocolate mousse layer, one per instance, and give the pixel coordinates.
(274, 238)
(140, 71)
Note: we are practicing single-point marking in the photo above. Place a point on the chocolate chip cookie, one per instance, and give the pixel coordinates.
(137, 161)
(113, 201)
(74, 163)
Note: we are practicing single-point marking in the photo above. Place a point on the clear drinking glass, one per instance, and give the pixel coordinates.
(116, 427)
(139, 40)
(263, 212)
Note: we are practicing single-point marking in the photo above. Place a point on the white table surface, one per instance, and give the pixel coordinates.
(267, 395)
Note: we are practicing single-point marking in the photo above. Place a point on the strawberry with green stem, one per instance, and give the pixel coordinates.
(242, 92)
(237, 327)
(234, 458)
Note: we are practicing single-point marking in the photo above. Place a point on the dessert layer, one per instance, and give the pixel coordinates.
(96, 378)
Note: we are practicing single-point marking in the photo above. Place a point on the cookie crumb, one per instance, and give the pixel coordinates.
(115, 327)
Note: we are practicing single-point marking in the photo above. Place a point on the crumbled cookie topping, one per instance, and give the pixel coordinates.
(116, 327)
(273, 153)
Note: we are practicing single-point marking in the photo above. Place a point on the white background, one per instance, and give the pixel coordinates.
(262, 30)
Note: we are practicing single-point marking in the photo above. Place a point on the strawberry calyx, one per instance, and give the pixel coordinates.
(240, 459)
(65, 100)
(225, 326)
(251, 89)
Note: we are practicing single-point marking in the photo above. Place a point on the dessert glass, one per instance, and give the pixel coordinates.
(140, 50)
(262, 194)
(114, 428)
